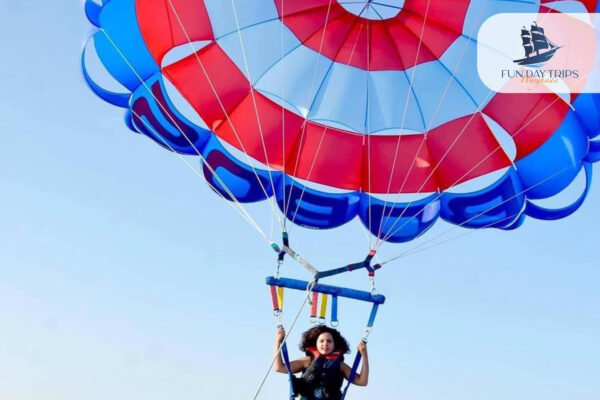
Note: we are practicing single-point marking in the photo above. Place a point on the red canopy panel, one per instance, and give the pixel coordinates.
(247, 132)
(329, 29)
(329, 157)
(161, 23)
(395, 164)
(529, 118)
(464, 149)
(211, 83)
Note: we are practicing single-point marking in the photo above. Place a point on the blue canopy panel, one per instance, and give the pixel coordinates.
(233, 177)
(399, 222)
(120, 47)
(553, 167)
(587, 107)
(594, 154)
(314, 208)
(92, 12)
(499, 205)
(588, 114)
(153, 113)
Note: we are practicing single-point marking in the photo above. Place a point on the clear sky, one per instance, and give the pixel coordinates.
(122, 276)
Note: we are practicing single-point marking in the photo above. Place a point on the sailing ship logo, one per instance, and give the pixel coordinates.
(536, 41)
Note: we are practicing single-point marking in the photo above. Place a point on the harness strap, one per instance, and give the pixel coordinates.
(372, 315)
(314, 305)
(323, 311)
(280, 298)
(286, 361)
(334, 310)
(352, 374)
(274, 299)
(286, 242)
(358, 355)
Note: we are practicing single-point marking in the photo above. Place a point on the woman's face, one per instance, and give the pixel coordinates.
(325, 343)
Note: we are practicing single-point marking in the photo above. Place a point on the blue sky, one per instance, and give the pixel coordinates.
(123, 276)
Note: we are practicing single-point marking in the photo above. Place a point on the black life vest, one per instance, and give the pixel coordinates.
(322, 379)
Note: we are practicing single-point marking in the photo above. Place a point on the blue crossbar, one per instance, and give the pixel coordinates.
(328, 289)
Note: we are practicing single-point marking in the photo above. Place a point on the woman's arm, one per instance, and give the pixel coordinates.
(362, 377)
(279, 366)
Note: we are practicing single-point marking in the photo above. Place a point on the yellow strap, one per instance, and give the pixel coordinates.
(323, 305)
(280, 297)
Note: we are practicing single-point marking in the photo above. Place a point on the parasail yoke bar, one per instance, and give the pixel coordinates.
(327, 289)
(366, 263)
(285, 249)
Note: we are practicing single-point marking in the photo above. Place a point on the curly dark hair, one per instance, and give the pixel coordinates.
(309, 339)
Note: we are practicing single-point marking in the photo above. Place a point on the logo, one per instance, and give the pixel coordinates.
(554, 53)
(538, 48)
